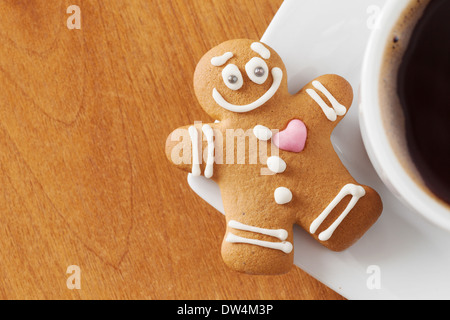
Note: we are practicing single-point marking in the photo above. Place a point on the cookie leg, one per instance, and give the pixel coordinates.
(254, 249)
(345, 218)
(259, 233)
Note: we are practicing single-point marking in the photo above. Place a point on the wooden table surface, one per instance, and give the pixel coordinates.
(84, 115)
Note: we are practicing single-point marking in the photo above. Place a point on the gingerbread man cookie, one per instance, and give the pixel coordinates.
(271, 155)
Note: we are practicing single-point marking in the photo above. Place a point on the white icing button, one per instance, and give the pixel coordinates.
(283, 195)
(262, 133)
(276, 164)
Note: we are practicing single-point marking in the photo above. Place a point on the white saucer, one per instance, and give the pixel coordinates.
(410, 257)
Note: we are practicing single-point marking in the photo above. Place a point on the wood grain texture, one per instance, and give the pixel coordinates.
(84, 181)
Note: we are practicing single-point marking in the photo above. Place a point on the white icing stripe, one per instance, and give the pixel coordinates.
(338, 108)
(220, 61)
(284, 246)
(260, 49)
(277, 75)
(209, 133)
(277, 233)
(331, 113)
(356, 192)
(195, 151)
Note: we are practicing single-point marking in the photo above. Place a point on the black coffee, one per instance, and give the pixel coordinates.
(423, 87)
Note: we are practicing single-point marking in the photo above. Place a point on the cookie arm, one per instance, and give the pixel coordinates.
(325, 101)
(191, 148)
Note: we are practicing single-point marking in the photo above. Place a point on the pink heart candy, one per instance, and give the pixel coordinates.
(293, 138)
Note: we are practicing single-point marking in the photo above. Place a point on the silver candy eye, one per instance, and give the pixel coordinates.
(260, 72)
(232, 77)
(257, 70)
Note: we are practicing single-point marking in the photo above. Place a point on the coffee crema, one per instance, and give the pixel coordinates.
(416, 80)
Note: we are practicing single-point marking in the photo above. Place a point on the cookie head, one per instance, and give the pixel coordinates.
(239, 77)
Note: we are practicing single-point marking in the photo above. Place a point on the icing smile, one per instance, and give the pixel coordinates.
(277, 75)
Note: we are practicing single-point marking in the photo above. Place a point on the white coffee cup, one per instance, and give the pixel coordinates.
(378, 143)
